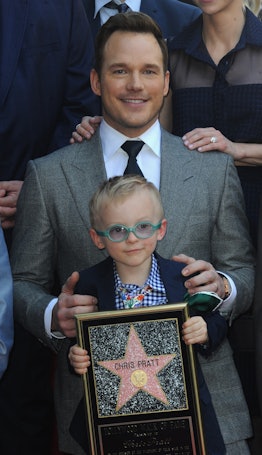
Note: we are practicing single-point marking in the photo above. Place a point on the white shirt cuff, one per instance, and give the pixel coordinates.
(227, 305)
(48, 321)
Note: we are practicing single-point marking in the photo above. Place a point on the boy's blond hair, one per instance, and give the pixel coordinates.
(118, 189)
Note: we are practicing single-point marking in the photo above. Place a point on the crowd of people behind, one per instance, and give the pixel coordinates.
(183, 80)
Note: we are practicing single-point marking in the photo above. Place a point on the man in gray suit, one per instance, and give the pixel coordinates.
(202, 200)
(258, 311)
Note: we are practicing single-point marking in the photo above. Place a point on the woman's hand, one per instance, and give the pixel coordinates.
(208, 139)
(86, 129)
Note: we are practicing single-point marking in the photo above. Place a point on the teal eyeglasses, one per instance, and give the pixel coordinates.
(119, 232)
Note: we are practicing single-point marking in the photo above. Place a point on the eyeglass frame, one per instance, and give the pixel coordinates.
(106, 233)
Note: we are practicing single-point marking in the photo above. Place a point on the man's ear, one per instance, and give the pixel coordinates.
(95, 82)
(162, 230)
(96, 239)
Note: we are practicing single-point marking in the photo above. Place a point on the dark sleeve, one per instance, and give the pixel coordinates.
(217, 330)
(79, 99)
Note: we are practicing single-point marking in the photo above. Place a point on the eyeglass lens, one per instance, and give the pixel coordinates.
(141, 230)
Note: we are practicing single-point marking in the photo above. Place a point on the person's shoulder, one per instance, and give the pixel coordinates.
(169, 264)
(178, 5)
(90, 278)
(175, 145)
(187, 36)
(69, 154)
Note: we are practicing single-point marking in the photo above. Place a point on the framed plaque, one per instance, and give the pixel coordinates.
(141, 392)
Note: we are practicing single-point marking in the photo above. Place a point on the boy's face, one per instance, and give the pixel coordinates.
(132, 252)
(133, 83)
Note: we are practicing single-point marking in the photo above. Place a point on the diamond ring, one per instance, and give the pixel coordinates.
(213, 139)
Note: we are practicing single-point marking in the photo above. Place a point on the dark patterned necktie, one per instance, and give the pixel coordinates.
(122, 8)
(132, 148)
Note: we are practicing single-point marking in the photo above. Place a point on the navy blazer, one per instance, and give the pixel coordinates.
(171, 15)
(46, 53)
(99, 281)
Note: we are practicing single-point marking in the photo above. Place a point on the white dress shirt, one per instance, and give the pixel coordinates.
(116, 159)
(106, 13)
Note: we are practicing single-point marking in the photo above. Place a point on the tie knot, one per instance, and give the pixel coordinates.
(122, 7)
(132, 148)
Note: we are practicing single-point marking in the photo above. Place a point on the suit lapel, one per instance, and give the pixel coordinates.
(169, 271)
(179, 177)
(95, 24)
(13, 16)
(84, 172)
(106, 286)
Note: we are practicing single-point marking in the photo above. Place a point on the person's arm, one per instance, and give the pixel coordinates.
(78, 96)
(34, 260)
(9, 192)
(210, 139)
(230, 249)
(207, 331)
(6, 306)
(86, 129)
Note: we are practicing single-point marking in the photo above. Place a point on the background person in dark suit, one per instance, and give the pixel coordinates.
(258, 311)
(171, 15)
(46, 50)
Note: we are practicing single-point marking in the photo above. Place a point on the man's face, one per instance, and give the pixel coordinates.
(132, 83)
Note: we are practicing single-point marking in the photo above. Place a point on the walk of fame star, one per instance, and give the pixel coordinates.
(143, 375)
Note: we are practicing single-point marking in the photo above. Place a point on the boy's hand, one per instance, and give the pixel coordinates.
(79, 359)
(195, 331)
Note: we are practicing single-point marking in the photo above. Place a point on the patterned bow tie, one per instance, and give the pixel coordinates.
(132, 299)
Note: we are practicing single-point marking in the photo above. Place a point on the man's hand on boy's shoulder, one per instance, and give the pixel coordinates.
(205, 277)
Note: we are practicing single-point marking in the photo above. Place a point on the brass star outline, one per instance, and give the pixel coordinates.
(144, 374)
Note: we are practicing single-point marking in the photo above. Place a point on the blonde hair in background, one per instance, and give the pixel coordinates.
(253, 5)
(118, 189)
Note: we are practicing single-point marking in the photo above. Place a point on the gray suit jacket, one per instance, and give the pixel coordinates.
(258, 311)
(204, 207)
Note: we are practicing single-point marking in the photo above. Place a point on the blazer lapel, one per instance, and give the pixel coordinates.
(106, 286)
(179, 177)
(13, 21)
(84, 172)
(95, 23)
(169, 271)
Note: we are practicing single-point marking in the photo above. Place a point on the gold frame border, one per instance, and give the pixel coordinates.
(143, 311)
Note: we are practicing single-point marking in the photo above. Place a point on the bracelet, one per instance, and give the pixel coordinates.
(226, 287)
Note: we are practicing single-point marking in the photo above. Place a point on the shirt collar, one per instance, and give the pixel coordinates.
(134, 5)
(112, 139)
(153, 280)
(190, 39)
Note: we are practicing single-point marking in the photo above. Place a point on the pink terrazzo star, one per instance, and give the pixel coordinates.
(137, 371)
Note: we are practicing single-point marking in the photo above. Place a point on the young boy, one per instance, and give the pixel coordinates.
(127, 220)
